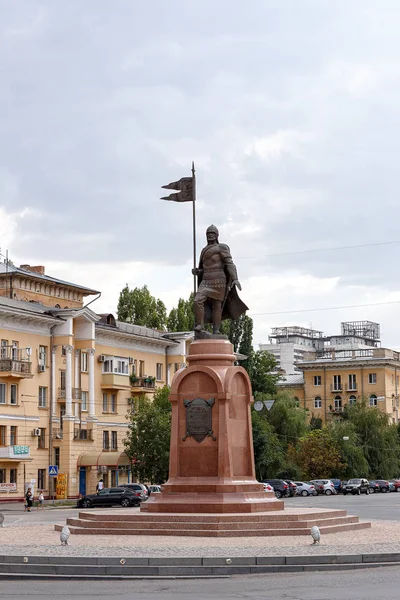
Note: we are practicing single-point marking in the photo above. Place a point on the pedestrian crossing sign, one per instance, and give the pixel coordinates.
(53, 471)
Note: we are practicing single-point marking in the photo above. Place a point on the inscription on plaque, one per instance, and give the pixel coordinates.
(199, 419)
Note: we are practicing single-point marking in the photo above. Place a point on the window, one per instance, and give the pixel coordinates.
(14, 350)
(13, 475)
(3, 433)
(63, 348)
(43, 356)
(114, 440)
(84, 362)
(159, 372)
(42, 397)
(371, 377)
(62, 380)
(13, 435)
(106, 440)
(84, 400)
(338, 402)
(42, 439)
(352, 382)
(317, 380)
(116, 364)
(176, 367)
(13, 393)
(57, 457)
(3, 351)
(105, 402)
(41, 479)
(141, 368)
(373, 400)
(2, 476)
(113, 403)
(317, 402)
(337, 383)
(134, 367)
(2, 393)
(352, 400)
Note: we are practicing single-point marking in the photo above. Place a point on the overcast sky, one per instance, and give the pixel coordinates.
(290, 110)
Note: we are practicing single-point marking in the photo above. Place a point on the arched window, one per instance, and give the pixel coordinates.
(317, 402)
(373, 400)
(57, 306)
(338, 402)
(352, 400)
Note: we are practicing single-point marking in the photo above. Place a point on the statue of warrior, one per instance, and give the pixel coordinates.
(216, 297)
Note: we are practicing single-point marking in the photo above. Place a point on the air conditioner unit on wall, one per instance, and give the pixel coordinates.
(36, 432)
(101, 358)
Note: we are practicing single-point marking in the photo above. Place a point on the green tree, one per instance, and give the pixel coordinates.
(288, 420)
(261, 373)
(316, 454)
(377, 437)
(138, 306)
(181, 318)
(148, 438)
(349, 445)
(269, 456)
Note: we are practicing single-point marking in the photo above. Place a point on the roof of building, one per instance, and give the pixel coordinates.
(293, 379)
(33, 308)
(4, 269)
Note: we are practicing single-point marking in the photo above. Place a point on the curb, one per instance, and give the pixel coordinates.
(71, 567)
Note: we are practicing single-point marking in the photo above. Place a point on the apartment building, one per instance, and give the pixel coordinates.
(67, 376)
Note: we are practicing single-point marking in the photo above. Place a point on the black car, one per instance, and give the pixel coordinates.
(292, 488)
(356, 486)
(139, 489)
(109, 497)
(281, 488)
(384, 485)
(374, 487)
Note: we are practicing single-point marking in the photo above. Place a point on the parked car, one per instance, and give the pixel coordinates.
(338, 485)
(391, 487)
(109, 497)
(292, 488)
(155, 489)
(306, 489)
(281, 488)
(383, 484)
(356, 486)
(374, 487)
(139, 489)
(268, 487)
(324, 486)
(396, 484)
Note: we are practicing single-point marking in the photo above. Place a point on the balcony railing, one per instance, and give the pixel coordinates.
(21, 368)
(336, 387)
(15, 452)
(143, 382)
(76, 393)
(351, 387)
(83, 434)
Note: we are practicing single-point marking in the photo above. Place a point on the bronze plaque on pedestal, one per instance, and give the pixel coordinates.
(199, 419)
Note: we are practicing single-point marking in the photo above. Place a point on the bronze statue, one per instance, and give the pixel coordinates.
(216, 297)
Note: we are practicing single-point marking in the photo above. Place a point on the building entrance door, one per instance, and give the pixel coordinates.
(82, 481)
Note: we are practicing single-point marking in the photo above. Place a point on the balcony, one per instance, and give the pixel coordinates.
(15, 362)
(57, 434)
(115, 381)
(142, 382)
(76, 393)
(336, 387)
(15, 453)
(351, 387)
(83, 435)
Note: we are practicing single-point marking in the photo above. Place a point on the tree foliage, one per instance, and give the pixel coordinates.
(316, 454)
(181, 318)
(138, 306)
(261, 374)
(148, 438)
(269, 456)
(288, 420)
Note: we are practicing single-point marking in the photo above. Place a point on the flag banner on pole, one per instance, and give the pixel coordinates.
(185, 185)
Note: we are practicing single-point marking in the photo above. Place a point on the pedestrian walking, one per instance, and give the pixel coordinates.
(41, 500)
(100, 485)
(29, 500)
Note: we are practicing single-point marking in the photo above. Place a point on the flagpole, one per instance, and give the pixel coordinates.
(194, 228)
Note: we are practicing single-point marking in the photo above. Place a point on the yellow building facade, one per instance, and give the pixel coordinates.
(67, 376)
(337, 378)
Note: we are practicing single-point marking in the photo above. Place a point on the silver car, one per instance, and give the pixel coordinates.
(305, 489)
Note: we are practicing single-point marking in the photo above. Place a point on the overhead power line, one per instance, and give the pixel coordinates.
(322, 249)
(286, 312)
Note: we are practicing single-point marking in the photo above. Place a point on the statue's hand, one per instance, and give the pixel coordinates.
(236, 282)
(197, 271)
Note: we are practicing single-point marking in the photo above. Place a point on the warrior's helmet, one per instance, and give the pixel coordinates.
(213, 229)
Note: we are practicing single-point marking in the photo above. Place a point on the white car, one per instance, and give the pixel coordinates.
(305, 489)
(324, 486)
(267, 487)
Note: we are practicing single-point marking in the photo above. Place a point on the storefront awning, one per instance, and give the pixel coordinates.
(103, 459)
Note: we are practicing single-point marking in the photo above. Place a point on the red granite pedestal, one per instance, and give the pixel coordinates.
(216, 474)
